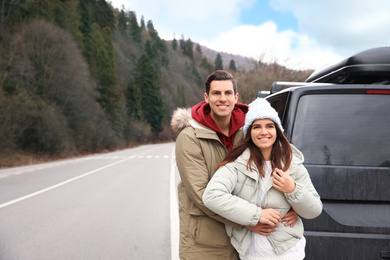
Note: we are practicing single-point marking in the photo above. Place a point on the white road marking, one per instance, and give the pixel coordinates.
(10, 172)
(174, 211)
(63, 183)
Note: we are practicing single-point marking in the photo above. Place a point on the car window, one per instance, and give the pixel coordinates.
(278, 102)
(343, 129)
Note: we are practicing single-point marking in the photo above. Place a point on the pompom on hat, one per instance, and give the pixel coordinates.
(261, 109)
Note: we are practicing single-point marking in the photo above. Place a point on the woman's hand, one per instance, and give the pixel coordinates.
(282, 181)
(270, 217)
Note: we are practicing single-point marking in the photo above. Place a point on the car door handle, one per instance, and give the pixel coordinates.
(385, 254)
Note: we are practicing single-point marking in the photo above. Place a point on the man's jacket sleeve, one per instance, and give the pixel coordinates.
(194, 173)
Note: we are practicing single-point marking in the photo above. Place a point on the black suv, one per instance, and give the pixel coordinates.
(340, 120)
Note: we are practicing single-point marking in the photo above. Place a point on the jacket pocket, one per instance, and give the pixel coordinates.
(209, 232)
(284, 234)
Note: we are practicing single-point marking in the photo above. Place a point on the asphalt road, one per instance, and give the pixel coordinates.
(119, 205)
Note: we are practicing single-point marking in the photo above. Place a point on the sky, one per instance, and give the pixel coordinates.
(299, 34)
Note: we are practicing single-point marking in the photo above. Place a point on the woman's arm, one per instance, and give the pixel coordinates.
(300, 193)
(305, 199)
(219, 198)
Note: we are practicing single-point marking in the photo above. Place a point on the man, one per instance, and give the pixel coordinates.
(208, 132)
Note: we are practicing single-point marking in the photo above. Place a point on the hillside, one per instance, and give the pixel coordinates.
(242, 63)
(80, 77)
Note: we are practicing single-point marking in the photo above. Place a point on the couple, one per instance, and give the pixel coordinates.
(242, 184)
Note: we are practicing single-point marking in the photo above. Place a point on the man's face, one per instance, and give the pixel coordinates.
(221, 98)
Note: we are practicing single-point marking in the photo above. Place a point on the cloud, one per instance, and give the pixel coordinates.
(328, 31)
(193, 19)
(266, 43)
(253, 41)
(346, 26)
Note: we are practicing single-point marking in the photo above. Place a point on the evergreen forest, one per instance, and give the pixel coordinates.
(80, 77)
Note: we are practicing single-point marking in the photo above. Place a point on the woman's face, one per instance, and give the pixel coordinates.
(263, 134)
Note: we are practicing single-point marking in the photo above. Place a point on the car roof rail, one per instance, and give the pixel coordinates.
(371, 66)
(280, 85)
(263, 93)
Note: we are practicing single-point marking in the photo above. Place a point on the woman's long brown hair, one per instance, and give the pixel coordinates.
(281, 154)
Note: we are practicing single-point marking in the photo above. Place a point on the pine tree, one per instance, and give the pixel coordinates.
(218, 62)
(143, 27)
(102, 68)
(174, 44)
(190, 48)
(206, 64)
(133, 100)
(99, 52)
(152, 32)
(232, 65)
(146, 79)
(86, 18)
(122, 22)
(198, 48)
(182, 44)
(181, 93)
(103, 14)
(150, 50)
(135, 29)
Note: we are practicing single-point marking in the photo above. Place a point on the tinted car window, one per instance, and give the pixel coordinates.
(343, 129)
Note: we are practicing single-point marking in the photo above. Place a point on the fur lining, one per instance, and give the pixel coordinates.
(180, 119)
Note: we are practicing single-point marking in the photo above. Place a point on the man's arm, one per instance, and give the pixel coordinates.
(194, 173)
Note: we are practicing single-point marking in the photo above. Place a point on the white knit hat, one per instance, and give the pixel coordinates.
(261, 109)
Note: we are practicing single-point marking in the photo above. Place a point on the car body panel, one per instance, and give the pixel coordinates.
(343, 130)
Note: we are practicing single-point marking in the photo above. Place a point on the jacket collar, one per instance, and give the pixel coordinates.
(242, 162)
(203, 132)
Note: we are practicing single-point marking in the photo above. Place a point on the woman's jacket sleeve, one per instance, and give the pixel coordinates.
(219, 198)
(304, 199)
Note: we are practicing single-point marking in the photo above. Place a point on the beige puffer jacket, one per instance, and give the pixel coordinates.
(198, 150)
(234, 190)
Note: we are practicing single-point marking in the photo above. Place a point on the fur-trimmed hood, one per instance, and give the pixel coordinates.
(180, 119)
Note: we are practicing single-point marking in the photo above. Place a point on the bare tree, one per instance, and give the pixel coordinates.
(47, 65)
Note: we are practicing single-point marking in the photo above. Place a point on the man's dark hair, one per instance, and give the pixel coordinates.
(220, 75)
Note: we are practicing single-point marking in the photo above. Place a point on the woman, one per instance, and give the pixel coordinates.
(259, 181)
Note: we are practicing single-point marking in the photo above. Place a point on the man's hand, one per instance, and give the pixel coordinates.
(262, 229)
(291, 218)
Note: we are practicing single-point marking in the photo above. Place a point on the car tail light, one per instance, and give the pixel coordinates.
(378, 91)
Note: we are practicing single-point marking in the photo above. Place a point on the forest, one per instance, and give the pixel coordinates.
(80, 77)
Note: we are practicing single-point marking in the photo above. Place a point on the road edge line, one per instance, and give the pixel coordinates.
(60, 184)
(174, 210)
